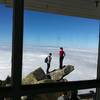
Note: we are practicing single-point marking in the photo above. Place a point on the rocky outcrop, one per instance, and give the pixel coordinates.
(58, 74)
(34, 77)
(38, 76)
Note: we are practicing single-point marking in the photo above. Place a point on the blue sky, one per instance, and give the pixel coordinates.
(51, 30)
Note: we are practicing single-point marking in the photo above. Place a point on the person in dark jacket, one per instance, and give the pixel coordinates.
(61, 57)
(48, 62)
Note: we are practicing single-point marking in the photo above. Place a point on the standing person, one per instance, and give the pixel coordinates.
(61, 55)
(48, 61)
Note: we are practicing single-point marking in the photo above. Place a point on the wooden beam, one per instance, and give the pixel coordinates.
(87, 96)
(29, 90)
(81, 8)
(17, 45)
(98, 67)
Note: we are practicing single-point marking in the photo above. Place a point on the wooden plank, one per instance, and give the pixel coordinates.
(17, 45)
(87, 96)
(98, 68)
(81, 8)
(48, 88)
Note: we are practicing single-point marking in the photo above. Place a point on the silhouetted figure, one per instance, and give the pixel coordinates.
(61, 55)
(8, 81)
(48, 61)
(93, 94)
(74, 95)
(0, 83)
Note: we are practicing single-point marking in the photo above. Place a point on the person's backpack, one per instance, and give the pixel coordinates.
(46, 60)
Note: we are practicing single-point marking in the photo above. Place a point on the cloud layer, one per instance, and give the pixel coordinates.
(85, 61)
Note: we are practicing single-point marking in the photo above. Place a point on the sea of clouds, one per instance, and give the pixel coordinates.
(84, 61)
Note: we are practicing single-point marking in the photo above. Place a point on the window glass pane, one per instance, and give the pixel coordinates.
(5, 42)
(63, 95)
(87, 94)
(45, 33)
(68, 95)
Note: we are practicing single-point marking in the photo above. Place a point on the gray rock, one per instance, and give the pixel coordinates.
(58, 74)
(34, 76)
(38, 76)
